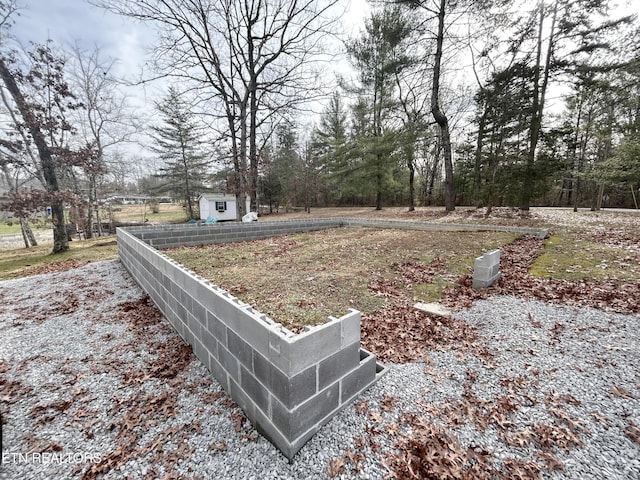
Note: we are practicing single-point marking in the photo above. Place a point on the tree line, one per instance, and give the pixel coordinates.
(491, 135)
(467, 102)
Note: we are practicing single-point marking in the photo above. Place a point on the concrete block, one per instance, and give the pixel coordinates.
(200, 351)
(290, 390)
(486, 269)
(255, 331)
(350, 328)
(199, 311)
(482, 272)
(254, 389)
(279, 349)
(187, 334)
(310, 347)
(360, 378)
(240, 349)
(180, 311)
(218, 371)
(337, 365)
(229, 362)
(217, 328)
(209, 342)
(433, 308)
(267, 429)
(194, 325)
(186, 300)
(294, 423)
(226, 309)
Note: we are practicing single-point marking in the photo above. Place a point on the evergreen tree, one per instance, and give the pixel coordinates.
(178, 141)
(503, 120)
(287, 165)
(327, 147)
(378, 56)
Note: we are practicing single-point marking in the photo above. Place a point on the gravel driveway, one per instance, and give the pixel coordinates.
(94, 383)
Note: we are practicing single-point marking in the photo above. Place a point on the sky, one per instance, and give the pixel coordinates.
(71, 22)
(68, 22)
(76, 22)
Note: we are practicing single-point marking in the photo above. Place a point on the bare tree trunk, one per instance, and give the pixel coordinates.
(433, 171)
(88, 230)
(412, 188)
(477, 173)
(379, 192)
(26, 229)
(440, 117)
(600, 194)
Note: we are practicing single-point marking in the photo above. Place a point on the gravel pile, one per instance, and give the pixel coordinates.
(94, 378)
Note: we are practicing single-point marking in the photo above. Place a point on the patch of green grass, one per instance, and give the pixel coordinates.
(11, 227)
(6, 229)
(430, 292)
(21, 262)
(168, 213)
(565, 257)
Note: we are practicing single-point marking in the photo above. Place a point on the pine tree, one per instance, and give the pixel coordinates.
(327, 146)
(178, 141)
(378, 56)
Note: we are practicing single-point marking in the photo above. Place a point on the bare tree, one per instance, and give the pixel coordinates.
(105, 122)
(32, 122)
(440, 13)
(253, 58)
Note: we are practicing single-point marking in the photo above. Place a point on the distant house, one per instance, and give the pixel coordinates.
(220, 206)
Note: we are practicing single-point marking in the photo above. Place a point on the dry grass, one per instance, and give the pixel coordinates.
(23, 262)
(301, 279)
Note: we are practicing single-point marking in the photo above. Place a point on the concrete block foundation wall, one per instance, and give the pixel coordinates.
(288, 385)
(171, 236)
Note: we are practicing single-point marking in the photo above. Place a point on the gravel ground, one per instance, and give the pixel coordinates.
(107, 391)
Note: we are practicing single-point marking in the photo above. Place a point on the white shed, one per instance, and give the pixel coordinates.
(220, 206)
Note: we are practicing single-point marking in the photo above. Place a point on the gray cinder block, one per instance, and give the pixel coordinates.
(486, 269)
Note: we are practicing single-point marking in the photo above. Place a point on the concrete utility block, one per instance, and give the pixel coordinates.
(229, 362)
(209, 342)
(290, 390)
(308, 348)
(218, 371)
(350, 328)
(254, 389)
(486, 269)
(294, 423)
(337, 365)
(244, 401)
(254, 328)
(359, 378)
(240, 349)
(199, 350)
(433, 308)
(216, 328)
